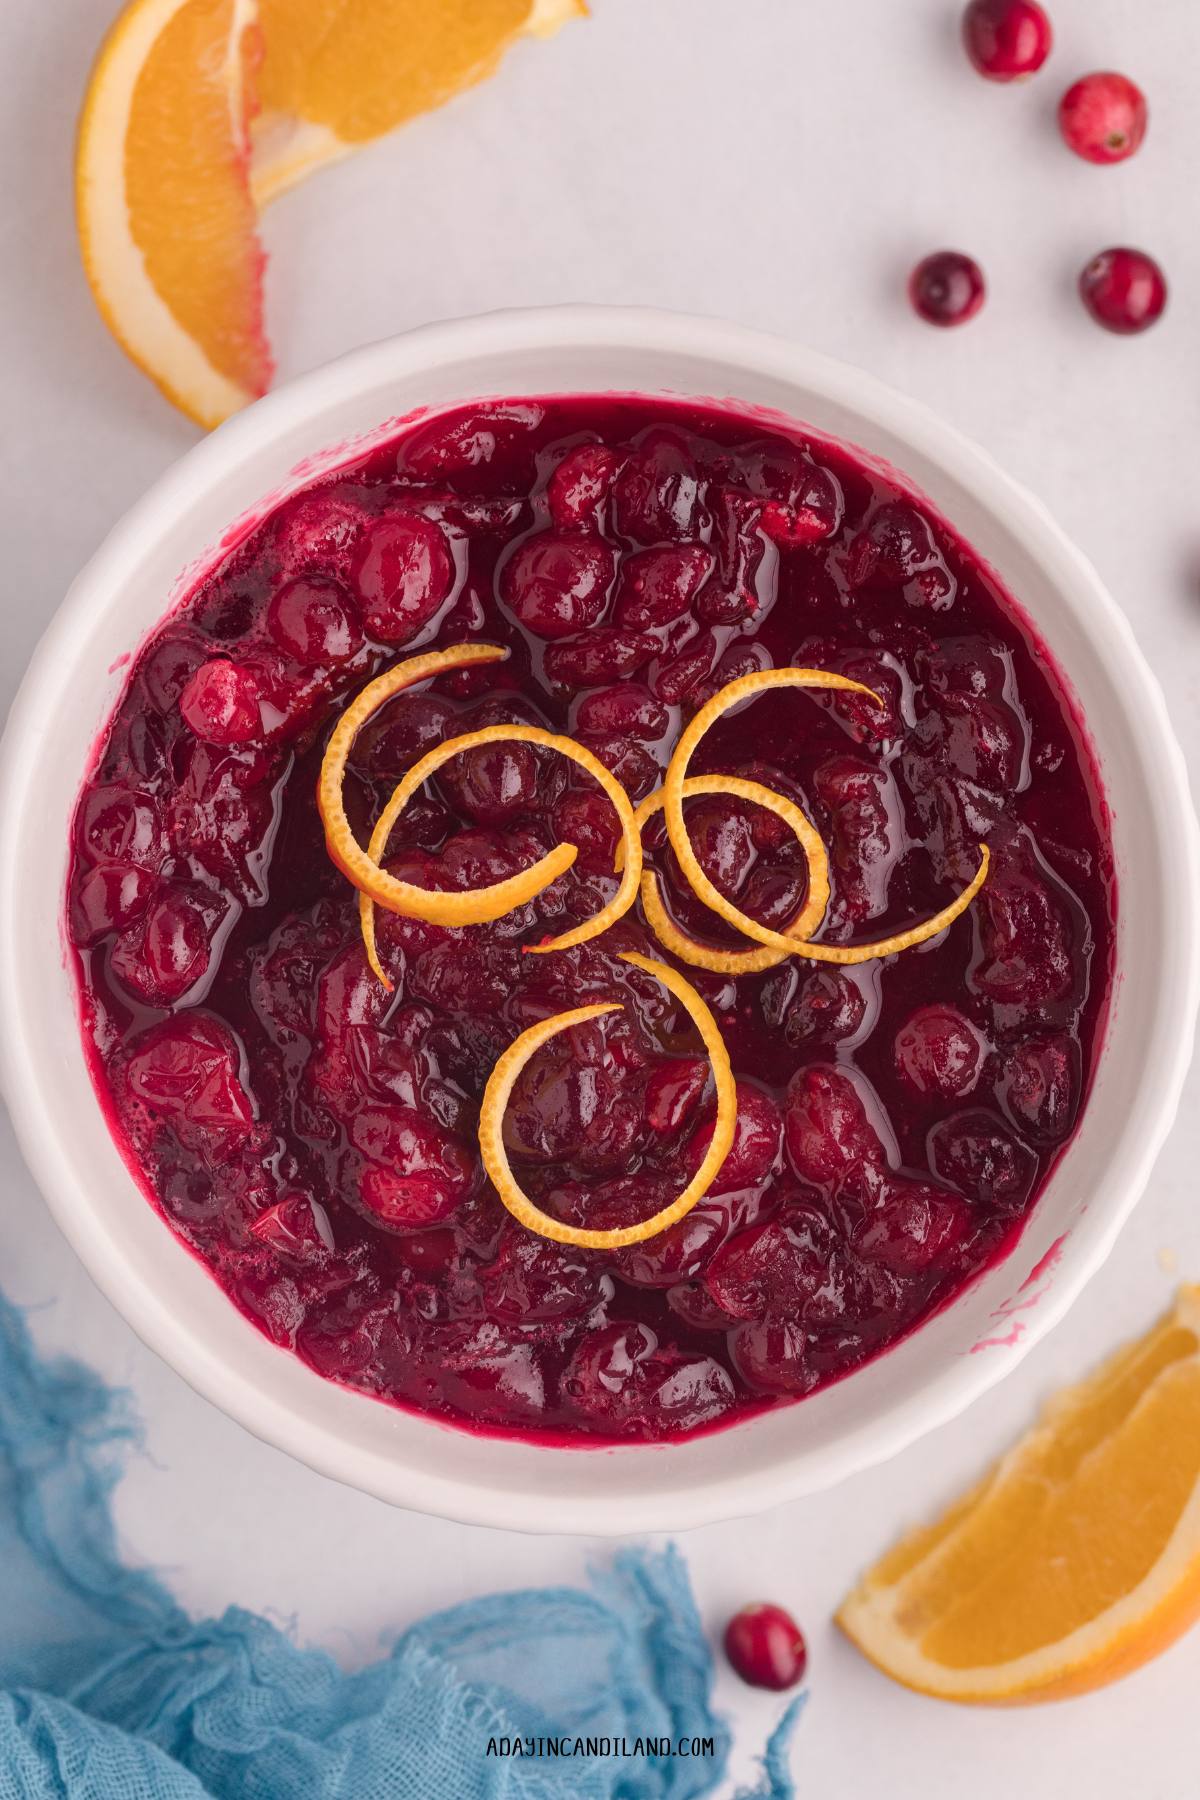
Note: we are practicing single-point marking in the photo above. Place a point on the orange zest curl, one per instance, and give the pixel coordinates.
(786, 944)
(504, 1076)
(431, 762)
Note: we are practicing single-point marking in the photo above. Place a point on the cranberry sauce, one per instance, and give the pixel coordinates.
(313, 1139)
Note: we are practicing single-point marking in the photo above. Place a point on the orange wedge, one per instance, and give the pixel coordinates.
(339, 72)
(175, 156)
(503, 1078)
(166, 221)
(1075, 1560)
(431, 762)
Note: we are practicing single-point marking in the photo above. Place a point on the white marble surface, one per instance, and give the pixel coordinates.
(782, 164)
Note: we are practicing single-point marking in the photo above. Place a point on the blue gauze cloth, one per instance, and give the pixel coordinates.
(109, 1691)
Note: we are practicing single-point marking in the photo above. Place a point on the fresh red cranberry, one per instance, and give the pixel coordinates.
(947, 288)
(939, 1051)
(312, 618)
(1006, 39)
(221, 703)
(660, 585)
(599, 656)
(558, 584)
(1124, 290)
(404, 572)
(627, 710)
(580, 485)
(1103, 117)
(766, 1647)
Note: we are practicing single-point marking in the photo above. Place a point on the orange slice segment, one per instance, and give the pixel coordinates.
(1075, 1560)
(737, 962)
(746, 687)
(340, 72)
(166, 221)
(630, 847)
(475, 907)
(503, 1078)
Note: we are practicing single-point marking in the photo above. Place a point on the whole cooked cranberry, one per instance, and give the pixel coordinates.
(827, 1130)
(169, 951)
(492, 783)
(599, 656)
(754, 1152)
(777, 1269)
(1006, 39)
(313, 619)
(766, 1647)
(939, 1051)
(221, 703)
(567, 1107)
(947, 288)
(829, 1006)
(1103, 117)
(635, 767)
(771, 1356)
(626, 710)
(660, 585)
(402, 732)
(1124, 290)
(109, 897)
(531, 1279)
(673, 1089)
(419, 1172)
(896, 548)
(977, 1153)
(317, 530)
(404, 572)
(580, 485)
(116, 824)
(676, 679)
(558, 584)
(1039, 1086)
(589, 822)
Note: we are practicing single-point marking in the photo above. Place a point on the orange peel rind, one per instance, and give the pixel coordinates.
(503, 1079)
(478, 905)
(737, 962)
(432, 761)
(746, 687)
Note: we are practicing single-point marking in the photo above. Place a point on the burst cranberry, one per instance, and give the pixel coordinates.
(627, 710)
(624, 1384)
(659, 495)
(221, 703)
(912, 1226)
(110, 897)
(777, 1269)
(673, 1089)
(1124, 290)
(402, 732)
(947, 288)
(492, 783)
(487, 1371)
(422, 1172)
(589, 822)
(168, 952)
(771, 1356)
(977, 1153)
(938, 1051)
(580, 485)
(404, 572)
(1039, 1086)
(557, 585)
(754, 1152)
(766, 1647)
(531, 1279)
(829, 1006)
(660, 585)
(1103, 117)
(122, 825)
(185, 1073)
(1006, 39)
(297, 1228)
(597, 657)
(677, 678)
(828, 1132)
(807, 513)
(312, 618)
(317, 530)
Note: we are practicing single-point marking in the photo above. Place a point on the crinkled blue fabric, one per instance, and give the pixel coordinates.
(109, 1691)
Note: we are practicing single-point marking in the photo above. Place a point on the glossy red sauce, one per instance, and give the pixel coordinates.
(313, 1139)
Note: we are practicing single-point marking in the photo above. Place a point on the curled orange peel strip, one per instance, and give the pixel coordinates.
(475, 907)
(529, 879)
(746, 687)
(504, 1076)
(737, 962)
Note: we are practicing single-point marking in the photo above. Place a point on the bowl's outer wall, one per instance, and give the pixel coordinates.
(169, 1298)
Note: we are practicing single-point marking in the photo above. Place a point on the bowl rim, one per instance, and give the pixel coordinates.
(369, 370)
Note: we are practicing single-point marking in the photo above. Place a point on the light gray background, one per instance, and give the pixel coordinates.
(780, 162)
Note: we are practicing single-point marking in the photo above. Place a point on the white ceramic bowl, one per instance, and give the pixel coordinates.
(167, 1296)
